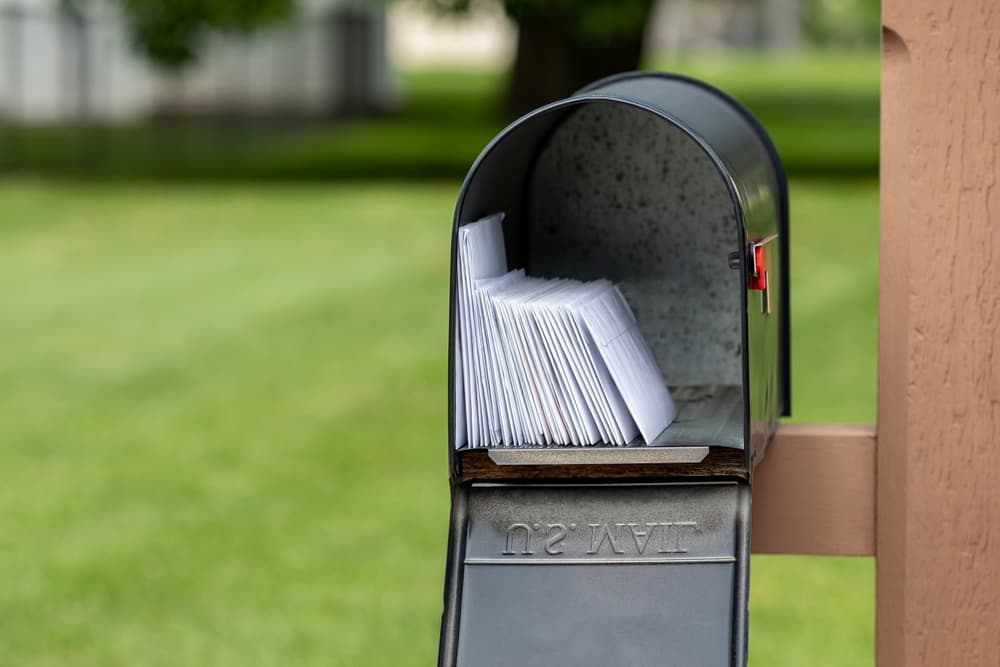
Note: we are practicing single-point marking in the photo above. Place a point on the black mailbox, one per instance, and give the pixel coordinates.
(634, 555)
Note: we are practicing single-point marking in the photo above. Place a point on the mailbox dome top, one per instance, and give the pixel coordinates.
(723, 127)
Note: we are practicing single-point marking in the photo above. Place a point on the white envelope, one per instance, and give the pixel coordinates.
(481, 255)
(615, 333)
(541, 308)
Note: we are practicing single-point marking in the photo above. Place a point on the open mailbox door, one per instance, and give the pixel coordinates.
(593, 574)
(638, 554)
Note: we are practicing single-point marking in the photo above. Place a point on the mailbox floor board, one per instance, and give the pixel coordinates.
(709, 419)
(588, 575)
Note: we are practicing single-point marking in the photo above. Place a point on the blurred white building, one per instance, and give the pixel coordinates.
(484, 38)
(58, 67)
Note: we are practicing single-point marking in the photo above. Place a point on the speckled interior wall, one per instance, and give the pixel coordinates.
(620, 193)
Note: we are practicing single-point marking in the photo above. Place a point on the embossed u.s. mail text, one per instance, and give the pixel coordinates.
(599, 539)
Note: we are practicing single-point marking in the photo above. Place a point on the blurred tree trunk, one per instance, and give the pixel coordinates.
(553, 58)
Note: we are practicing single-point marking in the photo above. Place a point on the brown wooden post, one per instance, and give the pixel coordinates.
(938, 459)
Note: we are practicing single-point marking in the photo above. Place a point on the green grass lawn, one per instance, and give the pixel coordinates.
(820, 108)
(223, 435)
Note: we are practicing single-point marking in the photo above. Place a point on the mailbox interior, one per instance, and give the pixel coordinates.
(598, 188)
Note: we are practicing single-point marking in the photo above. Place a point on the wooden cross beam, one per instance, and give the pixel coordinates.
(931, 514)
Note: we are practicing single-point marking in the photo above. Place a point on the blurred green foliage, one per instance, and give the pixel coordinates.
(170, 32)
(843, 23)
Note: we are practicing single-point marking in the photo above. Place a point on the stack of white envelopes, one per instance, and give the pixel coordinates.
(547, 362)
